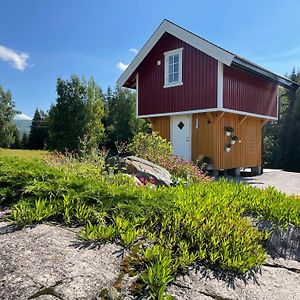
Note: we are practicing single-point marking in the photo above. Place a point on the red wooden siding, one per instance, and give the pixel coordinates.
(199, 76)
(249, 93)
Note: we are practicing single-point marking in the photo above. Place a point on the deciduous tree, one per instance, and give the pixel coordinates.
(7, 112)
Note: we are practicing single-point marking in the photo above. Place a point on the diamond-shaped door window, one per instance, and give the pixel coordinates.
(180, 125)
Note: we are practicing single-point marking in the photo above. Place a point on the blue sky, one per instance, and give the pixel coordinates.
(41, 40)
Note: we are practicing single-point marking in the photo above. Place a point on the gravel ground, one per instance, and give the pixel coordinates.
(287, 182)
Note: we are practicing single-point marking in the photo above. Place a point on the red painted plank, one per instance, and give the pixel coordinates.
(246, 92)
(199, 89)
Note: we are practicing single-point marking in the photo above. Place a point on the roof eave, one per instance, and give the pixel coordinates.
(182, 34)
(282, 81)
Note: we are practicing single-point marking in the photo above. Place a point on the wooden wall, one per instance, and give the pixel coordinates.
(209, 138)
(162, 126)
(199, 77)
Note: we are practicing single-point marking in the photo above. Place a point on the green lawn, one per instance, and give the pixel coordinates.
(27, 154)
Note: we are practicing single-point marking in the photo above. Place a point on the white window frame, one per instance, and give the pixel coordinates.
(166, 68)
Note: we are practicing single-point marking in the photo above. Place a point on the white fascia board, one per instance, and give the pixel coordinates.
(187, 112)
(178, 113)
(200, 44)
(141, 55)
(214, 51)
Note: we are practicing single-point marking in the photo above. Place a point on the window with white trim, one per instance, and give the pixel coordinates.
(173, 68)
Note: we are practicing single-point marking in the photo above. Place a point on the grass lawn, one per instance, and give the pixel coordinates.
(27, 154)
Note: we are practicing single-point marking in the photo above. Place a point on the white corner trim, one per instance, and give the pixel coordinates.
(186, 112)
(137, 94)
(278, 100)
(182, 34)
(220, 85)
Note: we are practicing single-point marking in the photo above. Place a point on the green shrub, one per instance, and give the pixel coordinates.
(157, 275)
(159, 151)
(149, 146)
(98, 232)
(186, 224)
(24, 213)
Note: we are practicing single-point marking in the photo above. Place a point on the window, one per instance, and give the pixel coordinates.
(173, 68)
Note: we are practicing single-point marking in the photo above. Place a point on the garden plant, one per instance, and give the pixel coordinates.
(165, 230)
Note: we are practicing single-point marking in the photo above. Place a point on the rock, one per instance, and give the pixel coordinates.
(4, 213)
(135, 179)
(50, 262)
(282, 243)
(278, 278)
(142, 169)
(272, 282)
(109, 294)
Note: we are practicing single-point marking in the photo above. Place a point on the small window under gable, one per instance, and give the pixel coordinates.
(173, 68)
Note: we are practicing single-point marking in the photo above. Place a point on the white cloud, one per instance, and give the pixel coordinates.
(121, 66)
(133, 50)
(18, 60)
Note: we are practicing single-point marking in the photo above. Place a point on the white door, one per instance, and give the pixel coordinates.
(181, 136)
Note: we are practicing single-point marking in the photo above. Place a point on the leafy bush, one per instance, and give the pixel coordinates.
(149, 146)
(158, 150)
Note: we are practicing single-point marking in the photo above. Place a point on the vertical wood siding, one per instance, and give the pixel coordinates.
(249, 93)
(199, 76)
(209, 139)
(162, 126)
(203, 141)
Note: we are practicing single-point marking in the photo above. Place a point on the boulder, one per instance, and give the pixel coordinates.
(283, 243)
(143, 169)
(275, 281)
(50, 262)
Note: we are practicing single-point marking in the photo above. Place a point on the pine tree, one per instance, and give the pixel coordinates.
(7, 112)
(38, 131)
(24, 141)
(282, 139)
(17, 139)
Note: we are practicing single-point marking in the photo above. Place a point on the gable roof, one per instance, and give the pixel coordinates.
(226, 57)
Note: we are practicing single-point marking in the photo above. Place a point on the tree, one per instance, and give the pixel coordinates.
(67, 115)
(17, 139)
(94, 112)
(282, 139)
(24, 141)
(38, 131)
(121, 122)
(7, 112)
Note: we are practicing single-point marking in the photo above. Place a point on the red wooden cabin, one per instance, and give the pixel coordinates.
(203, 98)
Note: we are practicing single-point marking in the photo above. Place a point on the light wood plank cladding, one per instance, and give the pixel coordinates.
(210, 140)
(162, 126)
(202, 135)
